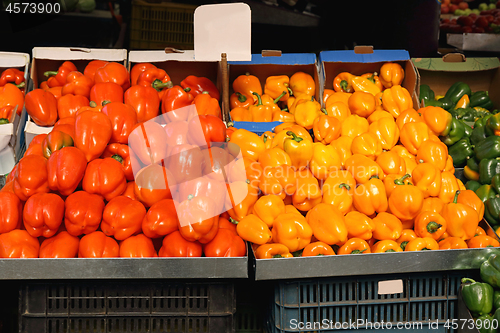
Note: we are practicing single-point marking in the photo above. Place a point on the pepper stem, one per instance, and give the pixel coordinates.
(285, 109)
(277, 99)
(105, 102)
(187, 89)
(456, 196)
(465, 280)
(93, 104)
(50, 73)
(372, 78)
(401, 180)
(432, 227)
(117, 157)
(324, 111)
(277, 256)
(233, 221)
(159, 85)
(190, 197)
(241, 98)
(4, 121)
(358, 251)
(259, 100)
(403, 245)
(390, 250)
(21, 85)
(343, 85)
(290, 91)
(347, 187)
(294, 137)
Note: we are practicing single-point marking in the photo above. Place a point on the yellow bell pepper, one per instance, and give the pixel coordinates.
(302, 83)
(293, 101)
(359, 225)
(299, 150)
(343, 147)
(283, 116)
(308, 192)
(379, 114)
(338, 97)
(386, 246)
(267, 137)
(281, 181)
(284, 126)
(326, 129)
(275, 85)
(338, 190)
(327, 223)
(396, 100)
(272, 251)
(306, 112)
(342, 82)
(363, 84)
(280, 137)
(386, 131)
(241, 114)
(274, 157)
(362, 103)
(250, 144)
(325, 160)
(370, 198)
(363, 169)
(391, 74)
(354, 125)
(261, 112)
(463, 102)
(251, 228)
(268, 208)
(387, 227)
(293, 231)
(367, 144)
(338, 110)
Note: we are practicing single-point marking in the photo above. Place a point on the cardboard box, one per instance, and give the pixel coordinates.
(270, 64)
(478, 73)
(486, 42)
(12, 134)
(363, 59)
(50, 58)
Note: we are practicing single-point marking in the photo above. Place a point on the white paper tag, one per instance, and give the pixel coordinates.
(223, 28)
(390, 287)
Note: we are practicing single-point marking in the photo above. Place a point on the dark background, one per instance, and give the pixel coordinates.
(327, 25)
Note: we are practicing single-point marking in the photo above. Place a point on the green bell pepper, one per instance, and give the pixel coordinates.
(468, 130)
(496, 299)
(492, 209)
(426, 93)
(488, 148)
(493, 125)
(465, 114)
(473, 164)
(460, 152)
(490, 271)
(495, 183)
(478, 134)
(457, 91)
(482, 121)
(472, 185)
(432, 102)
(487, 169)
(485, 192)
(445, 103)
(456, 133)
(477, 296)
(482, 99)
(484, 324)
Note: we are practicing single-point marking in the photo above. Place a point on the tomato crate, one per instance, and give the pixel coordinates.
(418, 302)
(160, 25)
(127, 306)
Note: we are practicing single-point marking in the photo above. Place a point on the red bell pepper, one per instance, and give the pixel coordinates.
(137, 70)
(204, 186)
(207, 105)
(91, 107)
(10, 95)
(145, 102)
(129, 191)
(63, 245)
(98, 245)
(55, 141)
(137, 247)
(11, 212)
(41, 105)
(65, 169)
(224, 223)
(6, 114)
(106, 92)
(185, 163)
(66, 125)
(123, 119)
(212, 130)
(43, 214)
(56, 91)
(148, 141)
(200, 84)
(174, 245)
(68, 105)
(58, 78)
(156, 78)
(176, 132)
(225, 244)
(176, 98)
(161, 219)
(104, 177)
(122, 217)
(153, 183)
(77, 84)
(92, 67)
(121, 153)
(92, 133)
(18, 244)
(14, 76)
(197, 216)
(31, 177)
(64, 121)
(113, 72)
(83, 213)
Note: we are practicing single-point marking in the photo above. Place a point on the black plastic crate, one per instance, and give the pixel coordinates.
(426, 298)
(152, 306)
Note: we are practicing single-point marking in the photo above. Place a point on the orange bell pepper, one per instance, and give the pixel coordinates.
(450, 243)
(338, 190)
(367, 144)
(267, 137)
(387, 226)
(391, 74)
(31, 177)
(115, 73)
(273, 157)
(354, 246)
(438, 119)
(406, 202)
(449, 186)
(268, 208)
(379, 114)
(435, 153)
(373, 77)
(408, 116)
(302, 83)
(482, 242)
(422, 244)
(384, 246)
(247, 84)
(306, 112)
(251, 228)
(281, 181)
(480, 232)
(63, 245)
(299, 149)
(363, 169)
(138, 246)
(54, 141)
(390, 163)
(98, 245)
(250, 144)
(430, 224)
(207, 105)
(197, 216)
(241, 199)
(326, 129)
(469, 198)
(324, 161)
(359, 225)
(343, 147)
(240, 100)
(433, 204)
(354, 126)
(156, 78)
(276, 85)
(18, 244)
(293, 231)
(370, 197)
(412, 136)
(283, 116)
(362, 104)
(428, 178)
(317, 249)
(342, 82)
(262, 113)
(338, 110)
(462, 219)
(396, 100)
(386, 131)
(394, 180)
(363, 84)
(280, 137)
(327, 223)
(43, 214)
(244, 169)
(338, 97)
(327, 93)
(407, 235)
(272, 251)
(308, 192)
(241, 114)
(293, 101)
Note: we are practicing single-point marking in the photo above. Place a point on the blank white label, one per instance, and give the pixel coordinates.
(390, 287)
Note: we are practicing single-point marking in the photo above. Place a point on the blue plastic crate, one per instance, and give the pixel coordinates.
(333, 302)
(257, 127)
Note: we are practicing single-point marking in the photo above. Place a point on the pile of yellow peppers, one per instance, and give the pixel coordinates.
(373, 177)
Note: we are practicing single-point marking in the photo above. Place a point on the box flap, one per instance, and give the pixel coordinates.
(160, 56)
(78, 53)
(284, 59)
(470, 64)
(7, 160)
(212, 36)
(12, 59)
(376, 56)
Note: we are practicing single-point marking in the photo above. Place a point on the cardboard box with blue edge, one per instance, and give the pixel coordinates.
(271, 64)
(363, 59)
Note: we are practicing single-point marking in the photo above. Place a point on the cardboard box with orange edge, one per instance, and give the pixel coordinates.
(364, 59)
(50, 58)
(481, 74)
(12, 134)
(272, 63)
